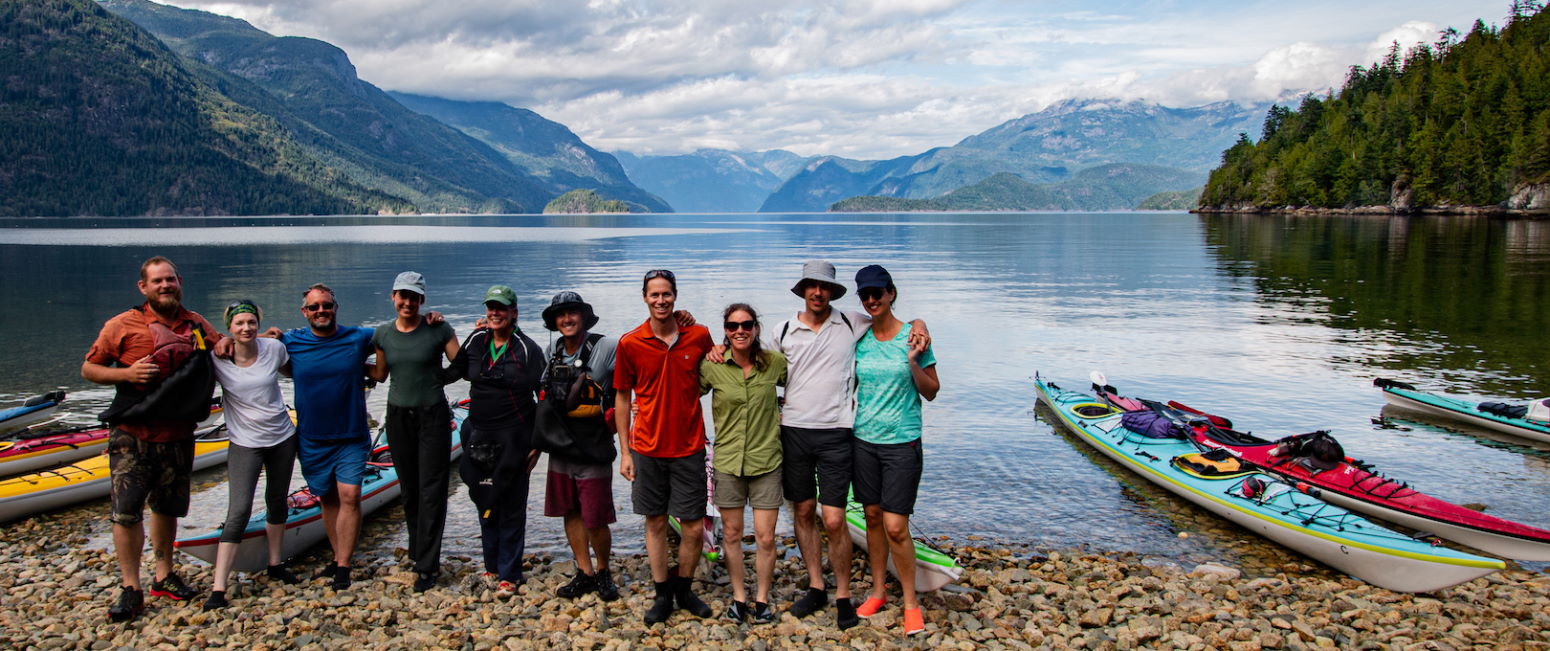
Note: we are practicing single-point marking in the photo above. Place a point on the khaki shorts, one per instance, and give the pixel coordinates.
(759, 491)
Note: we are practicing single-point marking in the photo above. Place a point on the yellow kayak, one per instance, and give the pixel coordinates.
(88, 479)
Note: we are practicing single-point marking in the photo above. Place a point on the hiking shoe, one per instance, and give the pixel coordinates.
(578, 586)
(737, 612)
(505, 590)
(173, 588)
(606, 590)
(281, 574)
(763, 613)
(661, 605)
(424, 581)
(810, 603)
(341, 577)
(683, 591)
(914, 622)
(216, 601)
(870, 607)
(131, 602)
(844, 613)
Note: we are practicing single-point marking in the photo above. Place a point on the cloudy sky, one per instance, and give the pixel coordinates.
(859, 78)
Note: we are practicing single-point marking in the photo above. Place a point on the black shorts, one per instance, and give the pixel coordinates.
(144, 472)
(674, 486)
(888, 475)
(824, 452)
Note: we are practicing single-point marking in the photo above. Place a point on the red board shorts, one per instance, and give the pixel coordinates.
(580, 489)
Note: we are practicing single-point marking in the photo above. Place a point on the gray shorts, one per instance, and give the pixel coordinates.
(669, 486)
(759, 491)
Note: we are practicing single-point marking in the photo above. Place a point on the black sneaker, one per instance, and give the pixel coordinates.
(737, 612)
(844, 613)
(216, 601)
(173, 588)
(131, 602)
(423, 581)
(810, 603)
(579, 585)
(661, 604)
(325, 572)
(606, 590)
(683, 591)
(341, 577)
(763, 613)
(281, 574)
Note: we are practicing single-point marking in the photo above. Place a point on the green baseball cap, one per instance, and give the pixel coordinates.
(501, 294)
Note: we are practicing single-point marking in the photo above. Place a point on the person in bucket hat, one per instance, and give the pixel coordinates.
(580, 492)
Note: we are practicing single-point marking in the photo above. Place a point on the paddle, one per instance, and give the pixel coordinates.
(1218, 421)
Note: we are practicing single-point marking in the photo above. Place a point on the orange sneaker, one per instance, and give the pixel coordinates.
(914, 623)
(870, 607)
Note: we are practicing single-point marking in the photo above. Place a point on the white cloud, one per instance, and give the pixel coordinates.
(861, 78)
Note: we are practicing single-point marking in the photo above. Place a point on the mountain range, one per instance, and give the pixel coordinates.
(1049, 146)
(1123, 185)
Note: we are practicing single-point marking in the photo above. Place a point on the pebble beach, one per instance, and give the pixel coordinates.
(56, 587)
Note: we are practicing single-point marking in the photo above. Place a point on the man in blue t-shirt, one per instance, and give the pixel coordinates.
(328, 366)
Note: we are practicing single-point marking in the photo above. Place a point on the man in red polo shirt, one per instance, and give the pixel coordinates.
(659, 363)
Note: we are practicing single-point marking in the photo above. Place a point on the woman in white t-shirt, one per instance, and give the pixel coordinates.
(262, 438)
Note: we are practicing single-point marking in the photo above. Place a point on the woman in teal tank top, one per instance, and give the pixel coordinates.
(892, 375)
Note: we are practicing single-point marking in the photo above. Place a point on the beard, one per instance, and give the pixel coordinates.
(166, 302)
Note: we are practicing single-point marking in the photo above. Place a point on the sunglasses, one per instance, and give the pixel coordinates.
(319, 306)
(870, 293)
(660, 273)
(734, 326)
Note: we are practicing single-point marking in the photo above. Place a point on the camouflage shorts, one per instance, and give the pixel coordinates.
(145, 472)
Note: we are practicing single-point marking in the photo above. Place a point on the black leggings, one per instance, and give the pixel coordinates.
(242, 466)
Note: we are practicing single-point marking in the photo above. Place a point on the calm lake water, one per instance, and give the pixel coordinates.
(1279, 322)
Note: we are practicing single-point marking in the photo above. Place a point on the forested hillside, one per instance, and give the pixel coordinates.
(1462, 122)
(97, 117)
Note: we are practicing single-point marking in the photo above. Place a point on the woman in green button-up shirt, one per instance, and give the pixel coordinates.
(746, 455)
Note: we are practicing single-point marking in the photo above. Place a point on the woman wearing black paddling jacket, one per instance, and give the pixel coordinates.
(503, 367)
(892, 375)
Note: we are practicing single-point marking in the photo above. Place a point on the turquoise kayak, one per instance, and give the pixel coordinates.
(1270, 507)
(1404, 396)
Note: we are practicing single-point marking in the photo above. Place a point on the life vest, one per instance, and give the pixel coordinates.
(1215, 464)
(183, 386)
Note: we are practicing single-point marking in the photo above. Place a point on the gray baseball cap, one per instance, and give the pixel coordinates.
(410, 281)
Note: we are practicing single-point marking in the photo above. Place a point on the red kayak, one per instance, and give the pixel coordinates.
(1316, 465)
(32, 453)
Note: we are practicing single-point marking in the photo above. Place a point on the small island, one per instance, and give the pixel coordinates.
(586, 202)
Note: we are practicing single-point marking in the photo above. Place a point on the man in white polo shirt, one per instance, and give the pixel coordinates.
(817, 428)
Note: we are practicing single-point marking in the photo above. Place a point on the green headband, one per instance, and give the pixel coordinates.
(240, 307)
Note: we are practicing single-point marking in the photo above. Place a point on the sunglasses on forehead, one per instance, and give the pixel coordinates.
(660, 273)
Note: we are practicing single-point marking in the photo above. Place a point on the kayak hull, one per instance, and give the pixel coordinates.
(86, 480)
(1357, 547)
(21, 419)
(304, 525)
(1464, 412)
(933, 569)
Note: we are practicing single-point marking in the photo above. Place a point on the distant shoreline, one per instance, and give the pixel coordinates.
(1390, 211)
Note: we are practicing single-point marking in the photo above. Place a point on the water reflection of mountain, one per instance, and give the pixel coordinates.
(1458, 301)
